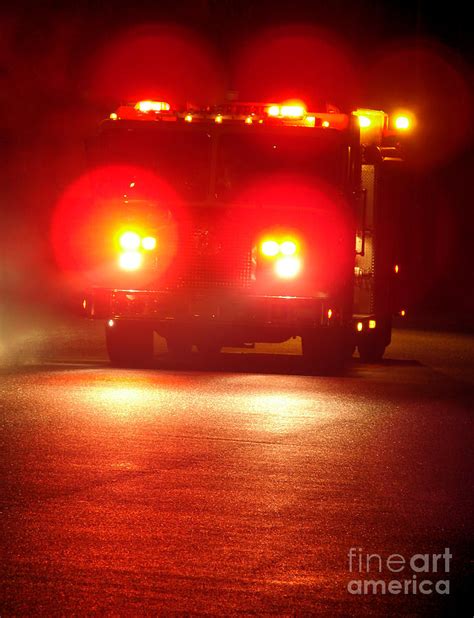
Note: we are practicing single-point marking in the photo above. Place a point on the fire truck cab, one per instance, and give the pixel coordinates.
(247, 223)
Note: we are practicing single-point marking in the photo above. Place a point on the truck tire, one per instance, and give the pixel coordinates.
(325, 350)
(129, 344)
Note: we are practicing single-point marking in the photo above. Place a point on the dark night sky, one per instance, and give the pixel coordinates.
(46, 48)
(364, 24)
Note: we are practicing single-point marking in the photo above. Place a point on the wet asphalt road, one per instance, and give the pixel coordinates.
(238, 488)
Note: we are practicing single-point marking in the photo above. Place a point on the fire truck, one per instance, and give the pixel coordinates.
(264, 222)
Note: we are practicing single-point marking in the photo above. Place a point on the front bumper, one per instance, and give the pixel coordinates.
(209, 307)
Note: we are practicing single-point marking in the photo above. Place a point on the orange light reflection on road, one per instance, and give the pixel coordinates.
(282, 413)
(122, 401)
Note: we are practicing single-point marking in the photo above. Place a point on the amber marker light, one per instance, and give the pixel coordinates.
(360, 326)
(372, 324)
(402, 123)
(364, 122)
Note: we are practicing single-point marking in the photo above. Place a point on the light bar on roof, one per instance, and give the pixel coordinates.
(290, 113)
(152, 106)
(288, 110)
(293, 111)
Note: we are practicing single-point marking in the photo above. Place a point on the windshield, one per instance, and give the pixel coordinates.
(182, 158)
(245, 158)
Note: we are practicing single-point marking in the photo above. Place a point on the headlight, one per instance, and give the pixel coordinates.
(130, 241)
(270, 248)
(288, 267)
(288, 247)
(130, 260)
(283, 252)
(149, 243)
(133, 245)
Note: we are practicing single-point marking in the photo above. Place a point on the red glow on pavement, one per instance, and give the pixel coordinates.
(96, 206)
(163, 62)
(303, 61)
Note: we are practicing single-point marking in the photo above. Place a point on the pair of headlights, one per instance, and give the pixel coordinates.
(132, 245)
(284, 254)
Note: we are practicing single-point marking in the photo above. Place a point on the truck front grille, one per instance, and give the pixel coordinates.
(216, 261)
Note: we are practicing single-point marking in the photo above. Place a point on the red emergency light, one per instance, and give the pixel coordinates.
(144, 110)
(152, 106)
(289, 113)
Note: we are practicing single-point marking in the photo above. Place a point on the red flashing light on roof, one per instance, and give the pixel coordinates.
(146, 110)
(290, 113)
(274, 111)
(293, 111)
(287, 110)
(152, 106)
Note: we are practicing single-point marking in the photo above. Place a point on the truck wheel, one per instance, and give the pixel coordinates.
(371, 350)
(129, 344)
(325, 351)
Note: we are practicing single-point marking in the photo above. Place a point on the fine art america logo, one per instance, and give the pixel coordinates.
(398, 574)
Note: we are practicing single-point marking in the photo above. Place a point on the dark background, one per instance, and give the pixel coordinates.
(63, 69)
